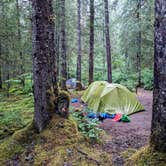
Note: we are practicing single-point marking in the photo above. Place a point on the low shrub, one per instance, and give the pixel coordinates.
(88, 127)
(147, 79)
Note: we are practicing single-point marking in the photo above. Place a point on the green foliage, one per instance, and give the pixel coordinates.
(13, 82)
(130, 80)
(16, 87)
(88, 127)
(127, 79)
(147, 79)
(28, 87)
(98, 76)
(12, 119)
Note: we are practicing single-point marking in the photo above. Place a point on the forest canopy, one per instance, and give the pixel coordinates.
(131, 40)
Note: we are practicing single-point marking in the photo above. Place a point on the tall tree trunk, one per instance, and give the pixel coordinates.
(57, 51)
(103, 39)
(126, 60)
(0, 67)
(108, 45)
(158, 134)
(139, 43)
(79, 40)
(6, 53)
(44, 69)
(57, 36)
(22, 70)
(0, 78)
(63, 47)
(91, 43)
(8, 78)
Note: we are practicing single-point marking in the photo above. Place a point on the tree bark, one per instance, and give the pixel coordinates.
(6, 53)
(91, 43)
(57, 37)
(44, 69)
(139, 43)
(158, 134)
(22, 70)
(0, 78)
(108, 45)
(103, 39)
(79, 40)
(63, 47)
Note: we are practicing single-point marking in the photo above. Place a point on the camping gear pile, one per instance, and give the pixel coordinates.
(114, 117)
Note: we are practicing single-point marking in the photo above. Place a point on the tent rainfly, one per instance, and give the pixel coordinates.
(111, 98)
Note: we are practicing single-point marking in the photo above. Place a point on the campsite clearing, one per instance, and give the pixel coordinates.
(133, 135)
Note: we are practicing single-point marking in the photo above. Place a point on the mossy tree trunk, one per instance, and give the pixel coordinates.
(108, 44)
(158, 135)
(44, 69)
(91, 42)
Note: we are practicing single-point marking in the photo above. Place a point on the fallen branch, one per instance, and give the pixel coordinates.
(87, 157)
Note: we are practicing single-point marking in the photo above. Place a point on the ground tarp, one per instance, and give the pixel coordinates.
(112, 98)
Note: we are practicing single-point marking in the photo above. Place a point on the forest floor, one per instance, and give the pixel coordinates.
(120, 141)
(125, 136)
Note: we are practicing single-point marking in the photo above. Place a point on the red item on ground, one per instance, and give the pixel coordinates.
(117, 117)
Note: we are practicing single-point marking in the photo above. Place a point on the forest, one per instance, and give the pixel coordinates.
(83, 82)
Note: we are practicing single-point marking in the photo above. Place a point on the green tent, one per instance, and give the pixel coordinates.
(113, 98)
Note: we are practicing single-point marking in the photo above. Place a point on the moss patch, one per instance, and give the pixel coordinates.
(146, 157)
(15, 113)
(59, 144)
(16, 143)
(8, 149)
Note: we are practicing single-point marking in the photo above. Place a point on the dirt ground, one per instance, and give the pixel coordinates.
(129, 135)
(122, 136)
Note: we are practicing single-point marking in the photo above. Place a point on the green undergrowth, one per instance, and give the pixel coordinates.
(146, 156)
(16, 111)
(59, 144)
(88, 127)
